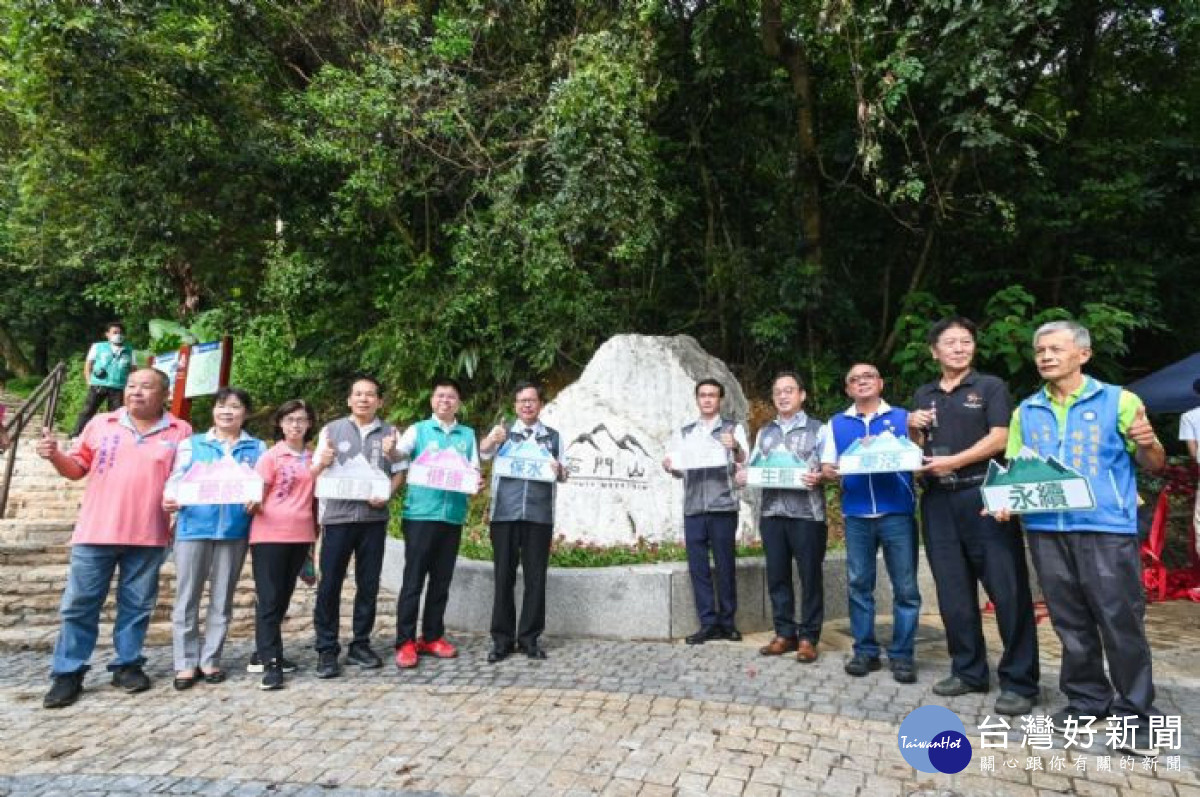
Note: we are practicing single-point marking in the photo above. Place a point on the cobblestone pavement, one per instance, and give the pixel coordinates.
(613, 718)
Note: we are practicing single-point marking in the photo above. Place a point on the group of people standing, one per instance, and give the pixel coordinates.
(1087, 562)
(136, 458)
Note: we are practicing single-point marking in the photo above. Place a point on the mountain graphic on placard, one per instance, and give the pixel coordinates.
(1027, 467)
(356, 467)
(526, 449)
(885, 443)
(224, 469)
(448, 458)
(780, 457)
(602, 440)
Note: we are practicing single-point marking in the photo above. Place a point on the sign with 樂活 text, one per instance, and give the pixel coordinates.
(882, 453)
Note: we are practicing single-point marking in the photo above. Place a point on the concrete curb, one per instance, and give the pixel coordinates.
(648, 602)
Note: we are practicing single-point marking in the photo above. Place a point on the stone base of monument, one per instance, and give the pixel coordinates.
(649, 602)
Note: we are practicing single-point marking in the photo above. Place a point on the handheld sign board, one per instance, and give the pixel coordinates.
(1033, 484)
(698, 451)
(782, 470)
(444, 469)
(225, 481)
(353, 480)
(527, 461)
(883, 453)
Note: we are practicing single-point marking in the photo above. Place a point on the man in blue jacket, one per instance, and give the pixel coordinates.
(1089, 561)
(878, 509)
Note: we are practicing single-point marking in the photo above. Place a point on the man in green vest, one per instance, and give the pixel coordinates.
(432, 525)
(106, 370)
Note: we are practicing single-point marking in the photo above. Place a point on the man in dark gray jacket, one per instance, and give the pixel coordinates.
(353, 528)
(710, 508)
(792, 525)
(522, 525)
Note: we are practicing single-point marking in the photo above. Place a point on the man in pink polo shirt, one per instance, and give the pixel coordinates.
(127, 456)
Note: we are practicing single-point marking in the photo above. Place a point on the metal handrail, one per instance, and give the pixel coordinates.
(45, 394)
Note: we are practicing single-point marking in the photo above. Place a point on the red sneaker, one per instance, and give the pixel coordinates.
(438, 648)
(406, 655)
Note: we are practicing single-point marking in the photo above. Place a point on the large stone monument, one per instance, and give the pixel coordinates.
(616, 423)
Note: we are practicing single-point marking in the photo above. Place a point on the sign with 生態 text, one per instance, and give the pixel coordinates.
(782, 470)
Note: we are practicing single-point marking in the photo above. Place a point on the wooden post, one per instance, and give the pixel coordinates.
(181, 405)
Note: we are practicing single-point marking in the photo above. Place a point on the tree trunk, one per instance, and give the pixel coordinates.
(16, 360)
(793, 56)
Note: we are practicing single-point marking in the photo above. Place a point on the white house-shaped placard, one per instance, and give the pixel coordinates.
(883, 453)
(781, 470)
(526, 460)
(444, 469)
(1032, 484)
(225, 481)
(353, 480)
(698, 450)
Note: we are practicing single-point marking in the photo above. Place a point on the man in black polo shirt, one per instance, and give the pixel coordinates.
(962, 421)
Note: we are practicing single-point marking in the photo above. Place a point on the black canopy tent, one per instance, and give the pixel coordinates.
(1171, 389)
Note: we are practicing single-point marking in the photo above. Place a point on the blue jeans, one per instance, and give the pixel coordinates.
(897, 536)
(91, 572)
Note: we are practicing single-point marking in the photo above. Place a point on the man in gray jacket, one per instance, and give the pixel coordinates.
(792, 525)
(710, 508)
(353, 528)
(522, 528)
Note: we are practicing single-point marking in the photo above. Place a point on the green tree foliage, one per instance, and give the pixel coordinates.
(490, 190)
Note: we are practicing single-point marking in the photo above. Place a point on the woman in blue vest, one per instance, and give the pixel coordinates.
(210, 543)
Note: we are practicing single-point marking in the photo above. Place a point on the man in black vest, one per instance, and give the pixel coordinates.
(710, 508)
(522, 528)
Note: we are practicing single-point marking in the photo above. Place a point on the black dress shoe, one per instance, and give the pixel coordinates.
(705, 634)
(534, 651)
(363, 656)
(731, 633)
(182, 682)
(327, 664)
(497, 654)
(955, 686)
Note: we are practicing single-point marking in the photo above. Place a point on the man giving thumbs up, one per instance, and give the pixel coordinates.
(1088, 561)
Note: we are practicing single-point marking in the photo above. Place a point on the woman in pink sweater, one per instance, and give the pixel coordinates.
(281, 534)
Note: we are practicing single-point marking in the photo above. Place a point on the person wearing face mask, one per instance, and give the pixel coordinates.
(210, 543)
(106, 369)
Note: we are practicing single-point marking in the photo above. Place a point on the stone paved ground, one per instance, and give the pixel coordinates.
(613, 718)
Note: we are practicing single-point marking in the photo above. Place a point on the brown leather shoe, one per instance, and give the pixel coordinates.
(806, 652)
(778, 646)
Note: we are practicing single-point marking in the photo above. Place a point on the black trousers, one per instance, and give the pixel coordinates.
(716, 532)
(803, 541)
(527, 544)
(1092, 583)
(430, 550)
(114, 396)
(965, 549)
(365, 542)
(276, 566)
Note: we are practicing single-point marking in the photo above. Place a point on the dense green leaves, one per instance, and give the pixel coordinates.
(491, 190)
